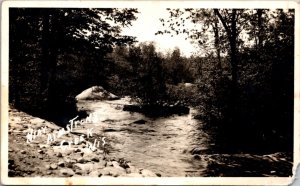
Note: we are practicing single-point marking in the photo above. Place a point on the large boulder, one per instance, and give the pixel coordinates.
(96, 93)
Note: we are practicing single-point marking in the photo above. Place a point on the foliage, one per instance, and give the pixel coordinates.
(48, 42)
(248, 93)
(241, 80)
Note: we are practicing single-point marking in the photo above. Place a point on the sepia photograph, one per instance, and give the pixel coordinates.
(149, 90)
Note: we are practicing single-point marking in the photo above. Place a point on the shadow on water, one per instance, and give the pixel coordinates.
(156, 111)
(59, 112)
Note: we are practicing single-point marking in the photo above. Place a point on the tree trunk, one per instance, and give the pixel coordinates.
(45, 51)
(233, 54)
(49, 57)
(231, 31)
(217, 46)
(260, 29)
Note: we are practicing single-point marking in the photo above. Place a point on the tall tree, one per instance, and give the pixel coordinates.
(56, 32)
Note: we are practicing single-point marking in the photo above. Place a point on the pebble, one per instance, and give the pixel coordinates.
(44, 146)
(88, 167)
(116, 165)
(132, 169)
(109, 164)
(67, 172)
(47, 166)
(81, 160)
(53, 166)
(61, 164)
(95, 173)
(95, 159)
(68, 152)
(101, 163)
(134, 174)
(148, 173)
(113, 171)
(77, 150)
(197, 157)
(79, 172)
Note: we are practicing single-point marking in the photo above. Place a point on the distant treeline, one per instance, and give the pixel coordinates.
(242, 80)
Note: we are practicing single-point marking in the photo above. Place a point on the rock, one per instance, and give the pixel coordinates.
(197, 157)
(61, 164)
(95, 173)
(53, 166)
(84, 167)
(132, 169)
(124, 164)
(23, 152)
(115, 164)
(59, 154)
(96, 93)
(67, 152)
(44, 146)
(37, 121)
(101, 163)
(77, 150)
(198, 150)
(87, 151)
(77, 175)
(81, 160)
(148, 173)
(69, 164)
(47, 166)
(141, 121)
(158, 174)
(134, 175)
(109, 163)
(66, 172)
(41, 152)
(95, 159)
(79, 172)
(113, 171)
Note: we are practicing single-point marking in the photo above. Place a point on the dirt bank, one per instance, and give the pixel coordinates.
(37, 158)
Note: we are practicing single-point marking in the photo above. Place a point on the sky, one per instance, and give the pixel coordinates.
(147, 24)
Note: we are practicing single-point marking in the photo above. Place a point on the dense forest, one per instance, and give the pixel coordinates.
(242, 76)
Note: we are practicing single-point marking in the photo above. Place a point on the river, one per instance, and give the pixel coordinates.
(163, 145)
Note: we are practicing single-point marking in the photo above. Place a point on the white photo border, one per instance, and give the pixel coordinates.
(141, 181)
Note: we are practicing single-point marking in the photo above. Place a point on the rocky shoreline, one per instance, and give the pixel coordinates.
(38, 158)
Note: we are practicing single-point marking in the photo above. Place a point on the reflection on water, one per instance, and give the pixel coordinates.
(163, 144)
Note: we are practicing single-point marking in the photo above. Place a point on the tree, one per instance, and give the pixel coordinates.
(151, 76)
(56, 33)
(259, 45)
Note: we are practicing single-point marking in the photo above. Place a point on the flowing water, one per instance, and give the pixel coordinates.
(161, 145)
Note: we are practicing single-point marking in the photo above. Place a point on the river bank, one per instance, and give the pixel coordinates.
(177, 145)
(135, 146)
(38, 158)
